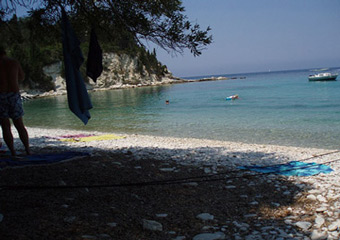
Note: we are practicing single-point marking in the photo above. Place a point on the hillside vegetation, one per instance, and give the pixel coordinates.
(37, 43)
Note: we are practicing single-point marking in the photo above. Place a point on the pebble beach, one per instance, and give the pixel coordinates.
(263, 206)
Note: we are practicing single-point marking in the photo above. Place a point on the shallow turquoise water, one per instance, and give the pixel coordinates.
(276, 108)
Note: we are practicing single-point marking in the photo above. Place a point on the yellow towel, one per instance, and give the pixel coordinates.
(92, 138)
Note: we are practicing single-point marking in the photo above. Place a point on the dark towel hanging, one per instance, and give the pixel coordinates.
(78, 99)
(94, 65)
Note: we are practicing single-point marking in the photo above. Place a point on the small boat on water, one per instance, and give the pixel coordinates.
(323, 77)
(233, 97)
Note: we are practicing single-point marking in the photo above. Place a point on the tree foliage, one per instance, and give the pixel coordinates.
(34, 45)
(122, 26)
(160, 21)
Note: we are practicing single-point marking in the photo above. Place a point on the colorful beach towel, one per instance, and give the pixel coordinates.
(294, 168)
(40, 159)
(92, 138)
(72, 136)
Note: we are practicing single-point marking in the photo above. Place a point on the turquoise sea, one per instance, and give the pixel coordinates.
(281, 108)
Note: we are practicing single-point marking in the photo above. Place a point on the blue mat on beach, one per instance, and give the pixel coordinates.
(39, 159)
(294, 168)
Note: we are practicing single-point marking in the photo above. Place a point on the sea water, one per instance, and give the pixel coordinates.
(281, 108)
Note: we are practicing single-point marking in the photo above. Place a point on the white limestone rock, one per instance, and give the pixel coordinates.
(319, 221)
(69, 219)
(311, 197)
(89, 237)
(242, 226)
(152, 225)
(161, 215)
(334, 226)
(167, 169)
(179, 238)
(303, 225)
(318, 235)
(210, 236)
(205, 216)
(321, 209)
(321, 198)
(112, 224)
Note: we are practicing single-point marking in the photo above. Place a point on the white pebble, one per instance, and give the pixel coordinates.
(112, 224)
(152, 225)
(321, 209)
(318, 235)
(210, 236)
(303, 225)
(334, 226)
(321, 198)
(319, 221)
(205, 216)
(311, 197)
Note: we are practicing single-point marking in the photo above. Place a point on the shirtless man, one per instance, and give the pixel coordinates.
(11, 74)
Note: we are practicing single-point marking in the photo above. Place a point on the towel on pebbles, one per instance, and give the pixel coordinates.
(293, 168)
(92, 138)
(40, 159)
(81, 135)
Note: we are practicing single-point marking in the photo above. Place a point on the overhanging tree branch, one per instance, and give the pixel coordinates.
(162, 22)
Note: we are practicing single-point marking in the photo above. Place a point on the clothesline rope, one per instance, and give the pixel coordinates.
(201, 178)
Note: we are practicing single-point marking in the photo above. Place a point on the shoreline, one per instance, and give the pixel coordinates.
(185, 150)
(32, 94)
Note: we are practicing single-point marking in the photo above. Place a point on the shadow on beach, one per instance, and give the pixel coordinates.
(238, 203)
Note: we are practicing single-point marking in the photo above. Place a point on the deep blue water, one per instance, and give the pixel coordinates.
(281, 108)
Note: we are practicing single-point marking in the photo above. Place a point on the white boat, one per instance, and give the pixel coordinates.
(323, 77)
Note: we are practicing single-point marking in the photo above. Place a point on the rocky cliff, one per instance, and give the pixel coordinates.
(120, 70)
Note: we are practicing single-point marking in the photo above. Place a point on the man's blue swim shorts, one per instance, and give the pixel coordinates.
(11, 105)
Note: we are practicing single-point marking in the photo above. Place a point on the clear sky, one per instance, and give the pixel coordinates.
(261, 35)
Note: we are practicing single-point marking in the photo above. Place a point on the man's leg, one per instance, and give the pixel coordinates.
(19, 125)
(7, 134)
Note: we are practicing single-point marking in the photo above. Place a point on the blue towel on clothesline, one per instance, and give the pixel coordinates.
(78, 99)
(294, 168)
(40, 159)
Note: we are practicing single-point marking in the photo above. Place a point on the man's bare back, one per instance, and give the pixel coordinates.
(11, 74)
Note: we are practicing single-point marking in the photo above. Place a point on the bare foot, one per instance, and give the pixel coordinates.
(28, 152)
